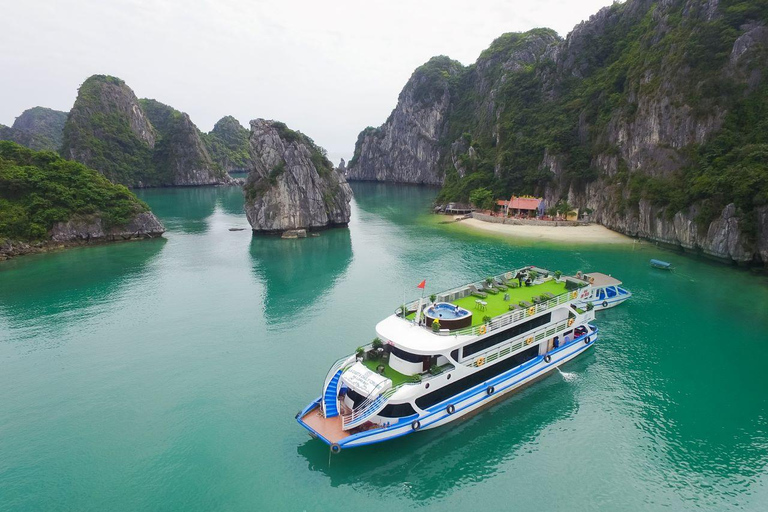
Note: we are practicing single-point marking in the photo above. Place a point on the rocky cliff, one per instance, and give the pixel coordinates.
(228, 145)
(110, 130)
(651, 114)
(292, 184)
(48, 202)
(37, 128)
(406, 148)
(180, 156)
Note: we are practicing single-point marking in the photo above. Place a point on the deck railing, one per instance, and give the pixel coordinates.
(511, 317)
(504, 350)
(501, 320)
(367, 407)
(332, 371)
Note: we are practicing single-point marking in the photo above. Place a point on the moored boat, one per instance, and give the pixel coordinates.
(662, 265)
(606, 291)
(438, 361)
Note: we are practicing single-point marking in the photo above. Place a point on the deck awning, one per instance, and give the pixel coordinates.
(365, 381)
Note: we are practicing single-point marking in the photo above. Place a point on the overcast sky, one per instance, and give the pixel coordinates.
(327, 68)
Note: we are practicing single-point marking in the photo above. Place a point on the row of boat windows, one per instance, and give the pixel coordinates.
(406, 356)
(461, 385)
(506, 335)
(483, 344)
(610, 292)
(454, 388)
(389, 410)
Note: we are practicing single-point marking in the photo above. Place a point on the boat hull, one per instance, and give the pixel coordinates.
(606, 303)
(463, 404)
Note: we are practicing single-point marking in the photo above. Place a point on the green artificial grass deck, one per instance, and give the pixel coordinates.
(498, 306)
(396, 377)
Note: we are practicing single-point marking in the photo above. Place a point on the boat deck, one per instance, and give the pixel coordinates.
(497, 306)
(329, 428)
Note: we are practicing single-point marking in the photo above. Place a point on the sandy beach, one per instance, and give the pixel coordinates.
(594, 233)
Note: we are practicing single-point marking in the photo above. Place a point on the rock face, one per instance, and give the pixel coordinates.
(405, 149)
(293, 185)
(110, 130)
(228, 145)
(91, 228)
(37, 128)
(180, 156)
(645, 114)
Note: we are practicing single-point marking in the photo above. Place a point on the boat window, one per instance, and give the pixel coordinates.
(356, 397)
(611, 291)
(506, 335)
(397, 410)
(455, 355)
(461, 385)
(622, 291)
(601, 294)
(406, 356)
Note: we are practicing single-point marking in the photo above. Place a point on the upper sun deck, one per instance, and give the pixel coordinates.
(491, 305)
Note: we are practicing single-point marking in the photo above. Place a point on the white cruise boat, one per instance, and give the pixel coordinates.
(606, 291)
(435, 362)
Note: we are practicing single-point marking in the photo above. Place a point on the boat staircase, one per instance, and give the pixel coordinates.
(371, 406)
(330, 394)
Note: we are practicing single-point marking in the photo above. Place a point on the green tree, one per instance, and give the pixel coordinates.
(481, 198)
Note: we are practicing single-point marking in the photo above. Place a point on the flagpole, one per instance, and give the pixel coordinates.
(423, 286)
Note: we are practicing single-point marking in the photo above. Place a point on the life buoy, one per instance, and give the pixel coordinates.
(547, 358)
(605, 303)
(335, 448)
(591, 280)
(482, 329)
(587, 340)
(490, 390)
(570, 322)
(528, 341)
(416, 425)
(450, 409)
(574, 294)
(531, 311)
(480, 361)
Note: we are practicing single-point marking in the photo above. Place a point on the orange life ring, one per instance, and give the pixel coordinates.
(531, 311)
(480, 361)
(570, 322)
(528, 341)
(591, 280)
(574, 294)
(482, 329)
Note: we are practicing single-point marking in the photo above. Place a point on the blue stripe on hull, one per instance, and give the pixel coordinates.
(467, 400)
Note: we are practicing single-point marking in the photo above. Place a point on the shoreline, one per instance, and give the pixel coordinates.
(586, 234)
(12, 249)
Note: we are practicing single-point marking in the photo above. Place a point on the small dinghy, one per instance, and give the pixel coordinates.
(663, 265)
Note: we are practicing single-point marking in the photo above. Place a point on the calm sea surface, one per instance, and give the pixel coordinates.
(165, 374)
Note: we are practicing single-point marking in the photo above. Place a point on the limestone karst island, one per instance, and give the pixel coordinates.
(285, 255)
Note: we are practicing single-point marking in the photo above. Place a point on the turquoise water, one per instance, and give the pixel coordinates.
(165, 375)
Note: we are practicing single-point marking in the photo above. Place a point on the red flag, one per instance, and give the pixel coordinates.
(422, 284)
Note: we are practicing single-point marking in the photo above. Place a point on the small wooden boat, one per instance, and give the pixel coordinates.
(663, 265)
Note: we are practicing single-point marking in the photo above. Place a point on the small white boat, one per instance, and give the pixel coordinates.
(606, 291)
(435, 362)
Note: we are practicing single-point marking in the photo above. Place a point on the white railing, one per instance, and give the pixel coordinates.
(504, 350)
(367, 407)
(334, 368)
(502, 320)
(512, 316)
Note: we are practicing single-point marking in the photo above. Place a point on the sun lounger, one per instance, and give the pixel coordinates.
(477, 293)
